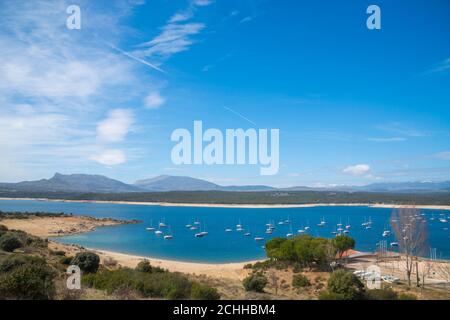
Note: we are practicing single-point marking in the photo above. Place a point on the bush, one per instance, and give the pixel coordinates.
(387, 294)
(16, 260)
(381, 294)
(255, 282)
(331, 296)
(144, 266)
(202, 292)
(300, 281)
(30, 281)
(9, 243)
(87, 261)
(405, 296)
(345, 285)
(3, 229)
(156, 284)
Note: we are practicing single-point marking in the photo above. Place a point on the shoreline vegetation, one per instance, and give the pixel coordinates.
(250, 199)
(262, 279)
(239, 205)
(47, 226)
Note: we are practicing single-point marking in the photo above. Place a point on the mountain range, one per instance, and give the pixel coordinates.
(84, 183)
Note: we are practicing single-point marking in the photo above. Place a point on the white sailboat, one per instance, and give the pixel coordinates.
(168, 236)
(162, 224)
(158, 232)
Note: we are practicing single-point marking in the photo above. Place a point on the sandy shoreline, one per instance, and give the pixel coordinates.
(45, 227)
(233, 270)
(250, 206)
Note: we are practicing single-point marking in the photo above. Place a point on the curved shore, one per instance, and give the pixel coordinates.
(250, 206)
(46, 227)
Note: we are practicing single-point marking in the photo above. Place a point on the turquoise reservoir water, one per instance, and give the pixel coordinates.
(220, 246)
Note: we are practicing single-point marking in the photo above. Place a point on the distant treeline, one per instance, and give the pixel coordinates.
(261, 197)
(26, 214)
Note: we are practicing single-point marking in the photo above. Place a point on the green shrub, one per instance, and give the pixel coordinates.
(3, 230)
(300, 281)
(381, 294)
(87, 261)
(202, 292)
(159, 284)
(331, 296)
(16, 260)
(405, 296)
(9, 242)
(345, 284)
(30, 281)
(144, 266)
(255, 282)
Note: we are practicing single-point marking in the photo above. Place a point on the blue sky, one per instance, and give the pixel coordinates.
(354, 106)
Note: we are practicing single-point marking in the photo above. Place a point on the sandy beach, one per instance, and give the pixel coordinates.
(250, 206)
(45, 227)
(233, 271)
(59, 225)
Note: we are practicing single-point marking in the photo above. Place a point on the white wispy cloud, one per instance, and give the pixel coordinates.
(56, 84)
(154, 100)
(110, 157)
(440, 67)
(176, 36)
(116, 126)
(202, 3)
(173, 39)
(358, 170)
(246, 19)
(389, 139)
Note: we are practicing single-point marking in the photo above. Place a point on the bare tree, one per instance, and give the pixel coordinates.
(443, 270)
(274, 279)
(410, 230)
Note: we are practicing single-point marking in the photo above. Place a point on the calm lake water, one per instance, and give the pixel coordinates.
(220, 246)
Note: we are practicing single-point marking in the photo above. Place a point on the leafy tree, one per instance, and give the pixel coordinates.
(9, 242)
(273, 247)
(87, 261)
(342, 243)
(346, 285)
(255, 282)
